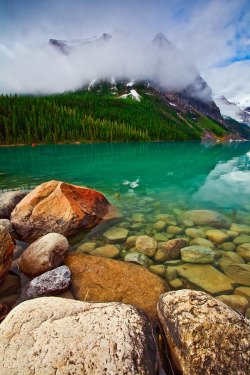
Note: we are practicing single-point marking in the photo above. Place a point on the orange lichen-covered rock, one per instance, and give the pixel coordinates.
(6, 253)
(59, 207)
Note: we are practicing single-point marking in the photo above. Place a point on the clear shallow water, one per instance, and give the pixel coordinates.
(199, 175)
(148, 181)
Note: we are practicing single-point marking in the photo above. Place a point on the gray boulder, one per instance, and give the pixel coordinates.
(8, 202)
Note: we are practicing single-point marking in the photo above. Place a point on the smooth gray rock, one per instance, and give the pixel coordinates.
(207, 217)
(60, 336)
(204, 336)
(8, 202)
(48, 284)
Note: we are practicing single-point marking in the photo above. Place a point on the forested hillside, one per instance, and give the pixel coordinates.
(98, 116)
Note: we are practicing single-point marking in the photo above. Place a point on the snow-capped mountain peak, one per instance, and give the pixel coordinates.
(229, 109)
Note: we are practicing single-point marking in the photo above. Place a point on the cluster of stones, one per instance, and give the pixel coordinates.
(198, 249)
(175, 250)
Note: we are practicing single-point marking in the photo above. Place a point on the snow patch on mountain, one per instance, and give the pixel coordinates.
(229, 109)
(133, 94)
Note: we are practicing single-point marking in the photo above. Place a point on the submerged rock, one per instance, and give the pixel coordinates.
(239, 273)
(243, 238)
(229, 257)
(217, 236)
(8, 202)
(206, 277)
(240, 228)
(116, 235)
(103, 280)
(204, 336)
(238, 303)
(61, 208)
(146, 245)
(138, 258)
(195, 233)
(86, 247)
(202, 242)
(197, 254)
(107, 251)
(6, 252)
(48, 284)
(170, 250)
(73, 337)
(207, 217)
(43, 255)
(244, 251)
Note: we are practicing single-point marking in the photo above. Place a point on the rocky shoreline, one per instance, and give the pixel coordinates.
(185, 271)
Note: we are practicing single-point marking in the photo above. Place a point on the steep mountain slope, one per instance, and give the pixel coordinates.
(231, 110)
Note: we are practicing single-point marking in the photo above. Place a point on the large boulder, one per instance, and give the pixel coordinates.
(207, 217)
(204, 336)
(43, 255)
(54, 335)
(8, 202)
(61, 208)
(6, 252)
(104, 280)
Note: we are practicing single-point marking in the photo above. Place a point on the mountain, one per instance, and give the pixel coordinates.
(231, 110)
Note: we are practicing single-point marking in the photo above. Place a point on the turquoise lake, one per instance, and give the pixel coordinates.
(198, 175)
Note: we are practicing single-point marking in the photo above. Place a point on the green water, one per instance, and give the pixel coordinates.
(195, 174)
(153, 184)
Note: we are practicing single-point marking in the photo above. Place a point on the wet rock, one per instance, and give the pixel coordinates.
(176, 283)
(202, 242)
(207, 217)
(170, 263)
(204, 336)
(243, 291)
(6, 253)
(239, 273)
(136, 226)
(73, 337)
(238, 303)
(103, 280)
(228, 246)
(217, 236)
(188, 223)
(3, 311)
(160, 226)
(86, 247)
(228, 258)
(158, 269)
(107, 251)
(138, 258)
(169, 219)
(195, 233)
(8, 202)
(66, 294)
(232, 233)
(43, 255)
(171, 229)
(116, 235)
(48, 284)
(60, 208)
(170, 250)
(130, 241)
(138, 218)
(171, 273)
(7, 224)
(146, 245)
(243, 238)
(240, 228)
(161, 237)
(244, 251)
(11, 285)
(206, 277)
(197, 254)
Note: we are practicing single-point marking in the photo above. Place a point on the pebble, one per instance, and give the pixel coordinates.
(217, 236)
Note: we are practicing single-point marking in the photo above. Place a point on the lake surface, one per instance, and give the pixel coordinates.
(154, 184)
(199, 175)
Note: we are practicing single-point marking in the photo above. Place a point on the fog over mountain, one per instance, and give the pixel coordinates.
(62, 65)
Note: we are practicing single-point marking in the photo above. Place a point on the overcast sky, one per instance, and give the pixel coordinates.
(212, 35)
